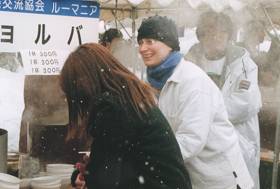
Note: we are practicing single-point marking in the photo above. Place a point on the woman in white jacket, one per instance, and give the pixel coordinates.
(195, 109)
(236, 75)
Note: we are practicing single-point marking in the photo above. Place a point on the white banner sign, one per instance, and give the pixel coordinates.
(41, 26)
(35, 38)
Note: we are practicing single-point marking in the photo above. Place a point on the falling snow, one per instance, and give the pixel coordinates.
(141, 179)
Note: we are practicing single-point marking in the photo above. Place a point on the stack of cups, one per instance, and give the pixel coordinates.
(46, 182)
(62, 171)
(12, 163)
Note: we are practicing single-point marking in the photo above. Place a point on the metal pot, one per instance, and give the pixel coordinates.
(3, 150)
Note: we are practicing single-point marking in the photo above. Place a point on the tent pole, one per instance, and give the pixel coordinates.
(115, 13)
(133, 16)
(276, 145)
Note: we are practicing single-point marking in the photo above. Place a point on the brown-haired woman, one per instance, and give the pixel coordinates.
(133, 144)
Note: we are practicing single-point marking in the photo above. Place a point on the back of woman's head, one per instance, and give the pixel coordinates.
(90, 71)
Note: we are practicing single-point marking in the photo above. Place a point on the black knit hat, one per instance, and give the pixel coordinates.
(160, 28)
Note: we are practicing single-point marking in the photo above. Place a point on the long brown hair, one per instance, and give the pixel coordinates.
(92, 70)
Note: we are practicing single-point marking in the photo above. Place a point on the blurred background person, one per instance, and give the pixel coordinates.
(133, 144)
(124, 50)
(110, 38)
(113, 40)
(236, 74)
(255, 35)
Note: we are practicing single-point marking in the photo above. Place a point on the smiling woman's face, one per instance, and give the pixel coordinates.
(153, 52)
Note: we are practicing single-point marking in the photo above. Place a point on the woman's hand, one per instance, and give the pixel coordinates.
(80, 182)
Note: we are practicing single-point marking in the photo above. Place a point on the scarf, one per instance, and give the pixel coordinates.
(158, 75)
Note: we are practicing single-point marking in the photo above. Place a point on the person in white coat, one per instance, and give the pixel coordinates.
(194, 107)
(236, 74)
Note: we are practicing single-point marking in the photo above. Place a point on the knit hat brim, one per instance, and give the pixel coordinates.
(161, 29)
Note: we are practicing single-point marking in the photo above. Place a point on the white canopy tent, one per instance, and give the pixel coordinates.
(129, 13)
(182, 8)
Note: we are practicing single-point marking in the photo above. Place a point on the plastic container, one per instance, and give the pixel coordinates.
(3, 150)
(9, 182)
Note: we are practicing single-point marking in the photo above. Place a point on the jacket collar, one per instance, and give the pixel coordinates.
(235, 55)
(176, 77)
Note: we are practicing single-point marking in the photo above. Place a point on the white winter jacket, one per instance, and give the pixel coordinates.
(195, 109)
(242, 105)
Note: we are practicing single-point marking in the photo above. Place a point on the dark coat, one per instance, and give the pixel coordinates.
(132, 153)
